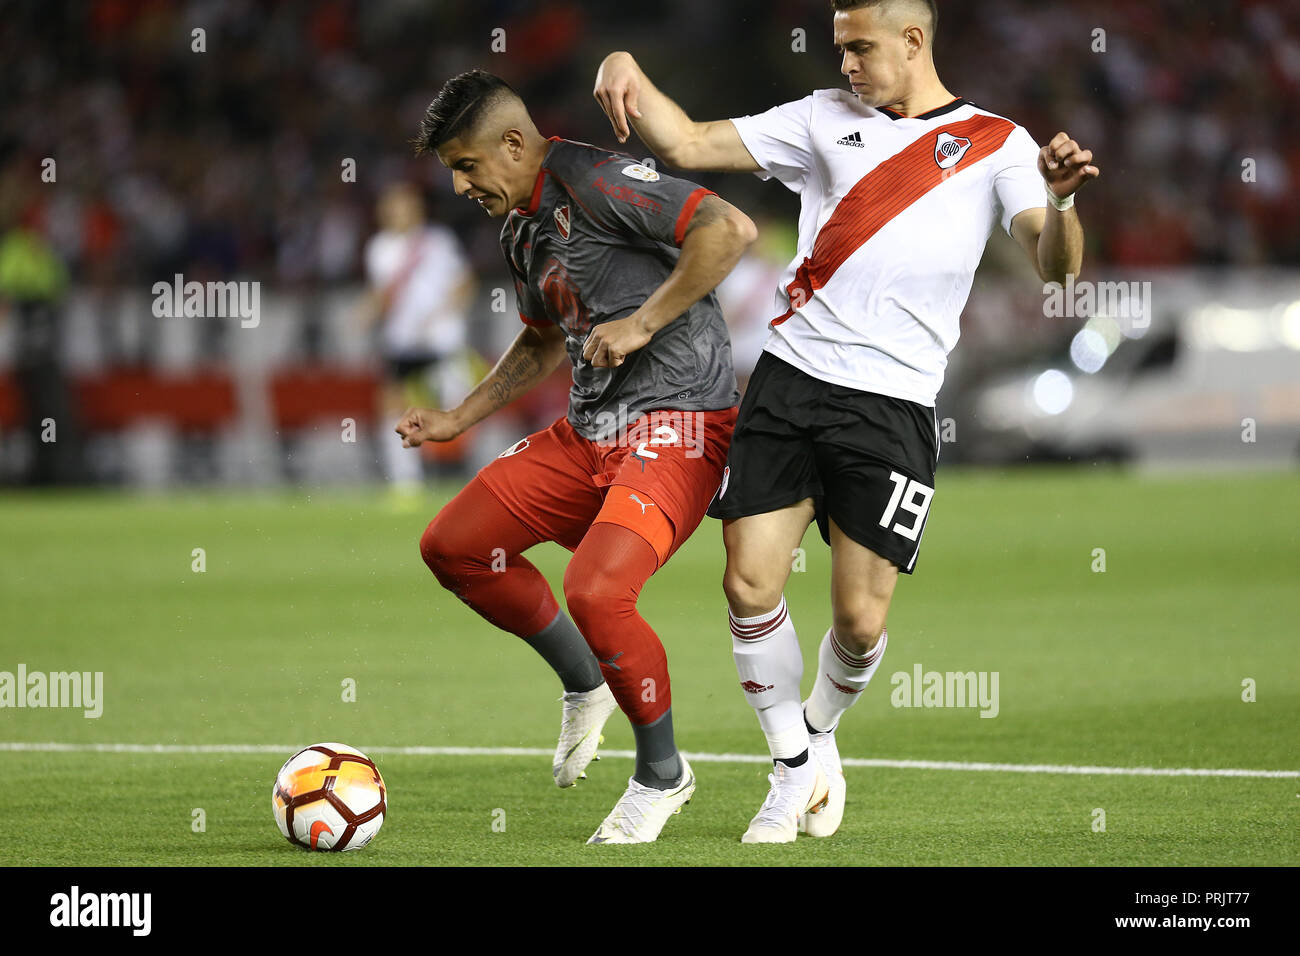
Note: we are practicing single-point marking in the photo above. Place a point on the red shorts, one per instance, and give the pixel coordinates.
(556, 482)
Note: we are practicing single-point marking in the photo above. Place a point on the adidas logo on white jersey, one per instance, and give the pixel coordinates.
(853, 139)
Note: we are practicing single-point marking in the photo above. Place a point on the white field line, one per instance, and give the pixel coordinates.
(287, 749)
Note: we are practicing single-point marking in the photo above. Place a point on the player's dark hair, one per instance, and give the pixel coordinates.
(458, 107)
(854, 4)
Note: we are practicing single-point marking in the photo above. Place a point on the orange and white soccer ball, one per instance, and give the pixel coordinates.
(329, 797)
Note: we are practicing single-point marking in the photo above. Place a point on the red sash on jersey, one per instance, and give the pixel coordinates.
(415, 251)
(884, 193)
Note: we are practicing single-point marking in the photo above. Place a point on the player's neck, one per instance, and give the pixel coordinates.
(929, 96)
(538, 147)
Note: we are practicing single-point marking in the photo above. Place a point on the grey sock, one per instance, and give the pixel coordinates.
(657, 762)
(562, 646)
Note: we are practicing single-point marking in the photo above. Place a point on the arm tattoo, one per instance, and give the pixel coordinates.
(519, 367)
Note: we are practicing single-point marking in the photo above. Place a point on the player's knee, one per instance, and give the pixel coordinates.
(440, 549)
(431, 549)
(748, 594)
(860, 632)
(594, 598)
(592, 612)
(584, 607)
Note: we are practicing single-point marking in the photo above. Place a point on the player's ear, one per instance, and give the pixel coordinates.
(915, 42)
(513, 140)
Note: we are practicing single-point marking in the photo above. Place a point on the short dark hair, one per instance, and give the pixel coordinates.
(854, 4)
(458, 107)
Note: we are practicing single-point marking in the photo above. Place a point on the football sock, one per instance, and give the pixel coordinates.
(842, 676)
(601, 586)
(402, 466)
(473, 548)
(657, 762)
(562, 646)
(792, 762)
(770, 666)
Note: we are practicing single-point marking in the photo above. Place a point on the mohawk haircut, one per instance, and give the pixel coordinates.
(855, 4)
(458, 107)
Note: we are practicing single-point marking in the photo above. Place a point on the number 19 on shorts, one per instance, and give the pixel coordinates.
(912, 497)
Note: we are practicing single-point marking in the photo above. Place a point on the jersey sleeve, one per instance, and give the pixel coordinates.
(780, 141)
(628, 196)
(531, 309)
(1018, 184)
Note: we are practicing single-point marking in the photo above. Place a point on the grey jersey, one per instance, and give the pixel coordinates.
(601, 233)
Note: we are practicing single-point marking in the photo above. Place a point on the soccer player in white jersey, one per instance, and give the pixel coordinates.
(421, 285)
(901, 183)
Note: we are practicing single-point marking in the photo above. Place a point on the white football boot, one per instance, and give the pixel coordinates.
(824, 822)
(585, 713)
(642, 811)
(794, 792)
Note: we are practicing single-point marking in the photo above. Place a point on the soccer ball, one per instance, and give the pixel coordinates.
(329, 797)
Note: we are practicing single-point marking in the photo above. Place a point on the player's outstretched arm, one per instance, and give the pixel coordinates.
(716, 237)
(1053, 237)
(631, 101)
(534, 354)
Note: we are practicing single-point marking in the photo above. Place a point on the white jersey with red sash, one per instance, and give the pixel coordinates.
(895, 215)
(417, 274)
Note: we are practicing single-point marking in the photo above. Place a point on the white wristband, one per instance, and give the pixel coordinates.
(1061, 204)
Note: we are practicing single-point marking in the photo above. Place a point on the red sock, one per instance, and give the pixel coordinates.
(601, 586)
(473, 546)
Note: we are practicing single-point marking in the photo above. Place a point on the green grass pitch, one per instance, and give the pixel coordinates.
(1141, 665)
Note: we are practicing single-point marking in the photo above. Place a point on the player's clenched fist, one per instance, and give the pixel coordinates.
(610, 343)
(1065, 166)
(419, 425)
(618, 86)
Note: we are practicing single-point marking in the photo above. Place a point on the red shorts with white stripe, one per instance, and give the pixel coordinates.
(667, 464)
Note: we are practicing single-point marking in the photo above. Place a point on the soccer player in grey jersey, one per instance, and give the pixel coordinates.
(614, 265)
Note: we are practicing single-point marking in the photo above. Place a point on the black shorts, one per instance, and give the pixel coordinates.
(866, 460)
(398, 368)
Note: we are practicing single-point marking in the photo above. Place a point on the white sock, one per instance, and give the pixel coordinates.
(402, 466)
(842, 676)
(770, 667)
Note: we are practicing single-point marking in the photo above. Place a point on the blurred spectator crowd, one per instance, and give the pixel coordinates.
(228, 162)
(250, 141)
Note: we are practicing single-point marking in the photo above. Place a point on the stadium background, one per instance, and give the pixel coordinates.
(225, 165)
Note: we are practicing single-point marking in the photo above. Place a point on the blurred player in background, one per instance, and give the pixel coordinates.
(901, 183)
(420, 287)
(614, 265)
(33, 285)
